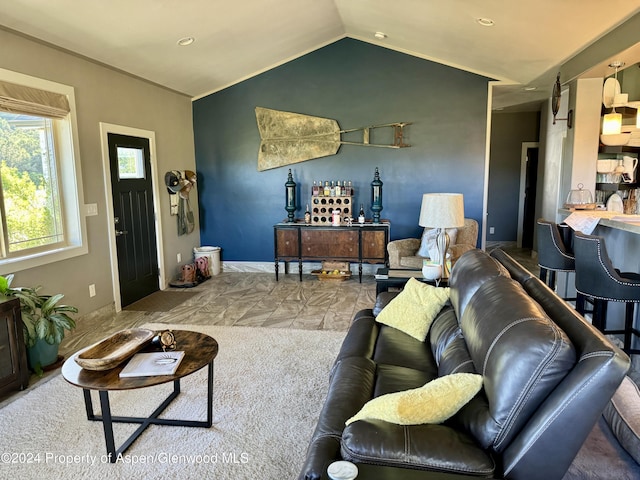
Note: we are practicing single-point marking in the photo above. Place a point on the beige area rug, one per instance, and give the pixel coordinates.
(160, 301)
(269, 386)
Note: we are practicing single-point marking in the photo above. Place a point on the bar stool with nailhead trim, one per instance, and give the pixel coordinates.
(596, 278)
(554, 252)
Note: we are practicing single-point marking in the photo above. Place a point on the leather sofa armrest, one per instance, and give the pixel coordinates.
(382, 301)
(407, 247)
(352, 382)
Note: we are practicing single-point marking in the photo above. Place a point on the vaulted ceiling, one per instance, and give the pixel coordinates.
(524, 47)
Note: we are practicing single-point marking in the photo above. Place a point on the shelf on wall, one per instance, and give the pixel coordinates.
(614, 187)
(618, 149)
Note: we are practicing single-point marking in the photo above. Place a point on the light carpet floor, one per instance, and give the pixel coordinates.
(269, 386)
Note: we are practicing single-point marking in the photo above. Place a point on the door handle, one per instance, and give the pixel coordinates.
(121, 232)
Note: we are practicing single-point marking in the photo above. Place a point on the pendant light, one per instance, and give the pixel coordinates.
(612, 122)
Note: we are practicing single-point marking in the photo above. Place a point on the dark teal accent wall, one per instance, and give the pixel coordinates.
(357, 84)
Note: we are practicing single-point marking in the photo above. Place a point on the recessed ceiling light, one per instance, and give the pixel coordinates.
(380, 35)
(183, 42)
(530, 89)
(485, 22)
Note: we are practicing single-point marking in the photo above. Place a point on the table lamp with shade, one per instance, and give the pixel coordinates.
(442, 211)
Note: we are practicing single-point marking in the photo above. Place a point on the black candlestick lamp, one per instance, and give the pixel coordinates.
(290, 192)
(376, 196)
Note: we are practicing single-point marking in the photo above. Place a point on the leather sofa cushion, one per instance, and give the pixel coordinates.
(392, 378)
(444, 329)
(469, 273)
(426, 447)
(448, 346)
(456, 359)
(397, 348)
(520, 352)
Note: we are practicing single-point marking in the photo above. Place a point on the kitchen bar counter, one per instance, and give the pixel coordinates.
(622, 241)
(609, 219)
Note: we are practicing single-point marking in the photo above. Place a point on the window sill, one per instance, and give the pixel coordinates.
(12, 265)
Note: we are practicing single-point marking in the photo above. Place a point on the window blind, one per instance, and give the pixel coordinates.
(20, 99)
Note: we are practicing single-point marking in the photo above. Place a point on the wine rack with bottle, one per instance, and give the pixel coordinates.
(327, 197)
(322, 209)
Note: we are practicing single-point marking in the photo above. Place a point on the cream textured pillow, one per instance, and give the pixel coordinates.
(414, 308)
(434, 402)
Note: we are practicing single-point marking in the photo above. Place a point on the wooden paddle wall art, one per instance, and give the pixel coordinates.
(288, 138)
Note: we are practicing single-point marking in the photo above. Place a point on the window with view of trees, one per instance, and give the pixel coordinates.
(40, 181)
(28, 181)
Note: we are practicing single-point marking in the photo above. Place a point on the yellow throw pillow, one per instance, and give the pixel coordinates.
(434, 402)
(414, 308)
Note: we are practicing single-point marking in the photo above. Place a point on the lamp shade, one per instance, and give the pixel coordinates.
(442, 210)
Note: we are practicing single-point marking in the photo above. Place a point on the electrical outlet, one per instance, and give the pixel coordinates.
(492, 230)
(179, 257)
(92, 290)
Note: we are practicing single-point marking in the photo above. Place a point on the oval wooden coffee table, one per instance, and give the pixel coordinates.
(200, 351)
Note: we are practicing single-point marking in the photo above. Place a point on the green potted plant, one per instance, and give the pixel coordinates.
(44, 322)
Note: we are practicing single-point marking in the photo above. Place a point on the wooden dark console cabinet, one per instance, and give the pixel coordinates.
(358, 243)
(14, 374)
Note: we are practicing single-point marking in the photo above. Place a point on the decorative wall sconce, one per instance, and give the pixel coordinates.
(376, 196)
(555, 104)
(290, 195)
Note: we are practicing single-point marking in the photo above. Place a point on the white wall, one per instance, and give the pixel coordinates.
(584, 138)
(552, 151)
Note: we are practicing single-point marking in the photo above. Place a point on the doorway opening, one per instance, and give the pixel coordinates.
(133, 212)
(527, 195)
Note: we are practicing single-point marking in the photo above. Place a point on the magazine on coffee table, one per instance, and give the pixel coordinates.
(151, 364)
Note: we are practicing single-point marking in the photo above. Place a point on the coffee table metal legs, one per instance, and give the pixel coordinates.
(108, 420)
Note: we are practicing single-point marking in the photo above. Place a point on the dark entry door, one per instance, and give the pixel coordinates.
(531, 181)
(132, 189)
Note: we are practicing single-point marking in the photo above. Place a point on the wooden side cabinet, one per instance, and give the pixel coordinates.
(14, 374)
(358, 243)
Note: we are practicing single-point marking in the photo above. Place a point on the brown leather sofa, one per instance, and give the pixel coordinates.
(547, 375)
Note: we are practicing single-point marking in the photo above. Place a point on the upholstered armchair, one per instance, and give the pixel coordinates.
(404, 253)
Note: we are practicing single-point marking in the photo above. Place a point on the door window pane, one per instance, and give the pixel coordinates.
(130, 163)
